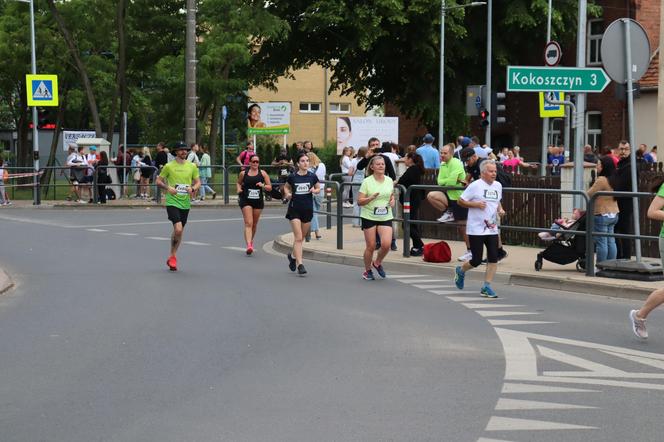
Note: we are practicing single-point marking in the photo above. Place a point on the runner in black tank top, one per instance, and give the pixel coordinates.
(250, 187)
(298, 191)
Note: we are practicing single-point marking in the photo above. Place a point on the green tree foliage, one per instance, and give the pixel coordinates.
(389, 50)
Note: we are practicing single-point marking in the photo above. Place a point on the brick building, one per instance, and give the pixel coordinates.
(606, 114)
(314, 111)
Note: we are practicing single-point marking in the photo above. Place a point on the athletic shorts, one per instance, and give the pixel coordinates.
(460, 213)
(304, 215)
(255, 204)
(177, 215)
(369, 223)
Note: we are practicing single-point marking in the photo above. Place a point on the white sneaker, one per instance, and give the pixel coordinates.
(466, 256)
(448, 217)
(638, 325)
(347, 205)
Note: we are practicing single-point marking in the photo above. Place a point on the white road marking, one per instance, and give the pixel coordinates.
(485, 305)
(422, 281)
(512, 388)
(518, 404)
(641, 360)
(126, 234)
(521, 361)
(433, 286)
(239, 249)
(590, 368)
(491, 314)
(96, 230)
(158, 238)
(195, 243)
(442, 292)
(499, 322)
(407, 276)
(497, 423)
(470, 297)
(152, 223)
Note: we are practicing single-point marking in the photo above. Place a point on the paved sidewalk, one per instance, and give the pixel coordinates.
(518, 268)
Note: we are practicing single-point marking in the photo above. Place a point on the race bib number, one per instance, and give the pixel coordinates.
(302, 188)
(182, 189)
(284, 172)
(380, 211)
(491, 195)
(254, 194)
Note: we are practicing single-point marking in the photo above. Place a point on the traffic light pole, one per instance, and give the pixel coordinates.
(487, 94)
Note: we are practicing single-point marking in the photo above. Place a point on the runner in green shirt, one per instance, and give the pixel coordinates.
(179, 179)
(376, 199)
(656, 298)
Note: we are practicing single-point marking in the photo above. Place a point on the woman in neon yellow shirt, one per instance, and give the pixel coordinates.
(376, 199)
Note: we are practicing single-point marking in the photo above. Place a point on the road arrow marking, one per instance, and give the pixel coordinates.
(518, 404)
(499, 322)
(497, 423)
(491, 314)
(512, 388)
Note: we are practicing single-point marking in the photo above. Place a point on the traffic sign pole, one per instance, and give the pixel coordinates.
(35, 119)
(630, 117)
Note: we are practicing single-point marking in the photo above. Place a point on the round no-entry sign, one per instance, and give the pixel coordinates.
(552, 53)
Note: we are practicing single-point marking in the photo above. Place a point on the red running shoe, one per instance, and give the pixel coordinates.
(172, 263)
(250, 248)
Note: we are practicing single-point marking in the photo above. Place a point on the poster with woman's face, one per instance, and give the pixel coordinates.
(356, 131)
(268, 118)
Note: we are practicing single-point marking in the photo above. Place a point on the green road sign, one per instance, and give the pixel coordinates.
(543, 79)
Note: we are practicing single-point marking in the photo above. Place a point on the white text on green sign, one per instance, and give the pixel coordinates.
(541, 79)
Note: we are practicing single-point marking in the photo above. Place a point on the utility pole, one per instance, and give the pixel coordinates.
(545, 121)
(579, 116)
(190, 75)
(487, 89)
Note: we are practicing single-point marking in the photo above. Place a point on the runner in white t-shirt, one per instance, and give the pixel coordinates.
(482, 198)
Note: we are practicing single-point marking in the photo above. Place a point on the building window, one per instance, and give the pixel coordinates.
(594, 129)
(309, 108)
(339, 108)
(595, 31)
(555, 132)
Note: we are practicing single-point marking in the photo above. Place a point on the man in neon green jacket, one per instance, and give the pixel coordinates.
(450, 174)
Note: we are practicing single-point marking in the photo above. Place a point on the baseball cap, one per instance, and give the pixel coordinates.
(466, 153)
(93, 147)
(465, 141)
(180, 145)
(428, 138)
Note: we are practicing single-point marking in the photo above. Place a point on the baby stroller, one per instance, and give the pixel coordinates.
(566, 248)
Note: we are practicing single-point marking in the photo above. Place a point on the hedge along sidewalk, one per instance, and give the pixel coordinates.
(517, 269)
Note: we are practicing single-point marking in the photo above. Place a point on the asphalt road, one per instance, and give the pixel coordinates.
(100, 342)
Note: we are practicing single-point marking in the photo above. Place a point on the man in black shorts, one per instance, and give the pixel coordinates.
(179, 179)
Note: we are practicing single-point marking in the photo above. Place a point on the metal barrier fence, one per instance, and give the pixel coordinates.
(421, 187)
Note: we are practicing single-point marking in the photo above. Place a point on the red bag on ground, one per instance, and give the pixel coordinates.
(437, 252)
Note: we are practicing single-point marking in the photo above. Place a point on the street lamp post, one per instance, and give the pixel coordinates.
(35, 132)
(441, 102)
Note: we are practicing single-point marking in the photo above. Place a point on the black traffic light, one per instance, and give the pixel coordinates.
(499, 107)
(484, 118)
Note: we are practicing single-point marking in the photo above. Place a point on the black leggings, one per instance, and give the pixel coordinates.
(477, 243)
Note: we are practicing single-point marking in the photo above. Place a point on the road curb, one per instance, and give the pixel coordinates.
(625, 291)
(6, 282)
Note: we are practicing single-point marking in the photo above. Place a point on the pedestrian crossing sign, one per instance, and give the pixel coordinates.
(551, 110)
(42, 90)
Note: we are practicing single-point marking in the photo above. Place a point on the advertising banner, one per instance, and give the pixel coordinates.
(268, 118)
(70, 136)
(356, 131)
